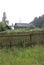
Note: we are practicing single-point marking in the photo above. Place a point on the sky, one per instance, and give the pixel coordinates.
(21, 11)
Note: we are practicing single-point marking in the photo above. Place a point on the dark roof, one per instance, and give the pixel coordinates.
(22, 24)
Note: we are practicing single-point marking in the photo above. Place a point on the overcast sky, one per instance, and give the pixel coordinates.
(21, 10)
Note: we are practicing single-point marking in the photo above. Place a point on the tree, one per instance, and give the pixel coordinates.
(2, 26)
(4, 18)
(38, 21)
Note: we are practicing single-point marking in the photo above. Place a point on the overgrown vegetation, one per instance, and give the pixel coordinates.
(2, 26)
(23, 30)
(22, 56)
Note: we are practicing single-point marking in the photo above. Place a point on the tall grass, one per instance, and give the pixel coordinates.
(22, 56)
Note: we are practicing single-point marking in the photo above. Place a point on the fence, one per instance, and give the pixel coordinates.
(21, 39)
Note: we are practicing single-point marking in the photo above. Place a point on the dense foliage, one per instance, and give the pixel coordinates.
(24, 30)
(2, 26)
(38, 21)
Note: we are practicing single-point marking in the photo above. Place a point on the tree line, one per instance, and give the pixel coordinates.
(38, 22)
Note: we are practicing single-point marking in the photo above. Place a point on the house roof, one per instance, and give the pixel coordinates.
(22, 24)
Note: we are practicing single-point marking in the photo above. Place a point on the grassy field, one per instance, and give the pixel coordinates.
(22, 56)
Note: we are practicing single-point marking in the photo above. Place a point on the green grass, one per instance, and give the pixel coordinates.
(22, 56)
(22, 30)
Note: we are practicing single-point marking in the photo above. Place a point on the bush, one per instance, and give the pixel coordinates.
(2, 26)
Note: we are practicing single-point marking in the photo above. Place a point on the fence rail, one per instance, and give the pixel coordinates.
(21, 39)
